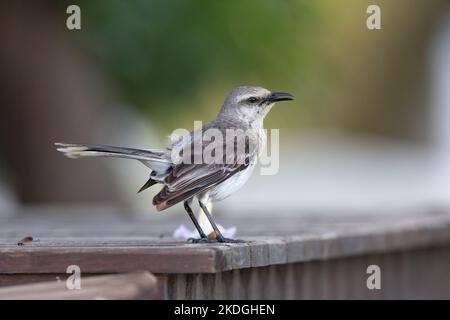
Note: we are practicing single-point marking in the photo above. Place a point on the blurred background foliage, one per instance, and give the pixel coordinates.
(182, 57)
(139, 69)
(164, 57)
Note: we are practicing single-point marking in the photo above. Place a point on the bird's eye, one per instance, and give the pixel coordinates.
(252, 99)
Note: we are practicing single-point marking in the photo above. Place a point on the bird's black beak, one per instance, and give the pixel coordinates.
(280, 96)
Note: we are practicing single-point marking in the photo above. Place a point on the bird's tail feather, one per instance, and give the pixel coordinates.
(152, 158)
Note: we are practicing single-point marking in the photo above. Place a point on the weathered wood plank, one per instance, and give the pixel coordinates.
(163, 259)
(104, 244)
(411, 274)
(124, 286)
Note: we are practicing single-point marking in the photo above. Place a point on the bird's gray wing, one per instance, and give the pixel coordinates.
(189, 179)
(194, 179)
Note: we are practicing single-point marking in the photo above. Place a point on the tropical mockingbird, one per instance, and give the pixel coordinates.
(206, 164)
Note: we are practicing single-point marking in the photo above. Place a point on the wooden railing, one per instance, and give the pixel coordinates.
(300, 256)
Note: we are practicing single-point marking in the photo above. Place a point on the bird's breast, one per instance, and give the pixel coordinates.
(232, 184)
(262, 139)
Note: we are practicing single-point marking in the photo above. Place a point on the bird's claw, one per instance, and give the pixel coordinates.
(201, 240)
(228, 240)
(218, 240)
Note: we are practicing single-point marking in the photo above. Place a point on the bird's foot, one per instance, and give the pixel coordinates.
(201, 240)
(217, 240)
(228, 240)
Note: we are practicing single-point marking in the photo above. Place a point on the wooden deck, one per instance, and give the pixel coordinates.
(286, 256)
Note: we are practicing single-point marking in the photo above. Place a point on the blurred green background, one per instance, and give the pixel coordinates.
(166, 63)
(176, 60)
(168, 56)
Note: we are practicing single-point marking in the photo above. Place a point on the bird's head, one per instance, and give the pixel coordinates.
(251, 104)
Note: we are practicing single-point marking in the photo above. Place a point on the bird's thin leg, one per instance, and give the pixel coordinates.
(211, 220)
(188, 209)
(219, 236)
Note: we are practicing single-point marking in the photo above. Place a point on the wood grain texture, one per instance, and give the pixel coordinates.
(104, 242)
(124, 286)
(410, 274)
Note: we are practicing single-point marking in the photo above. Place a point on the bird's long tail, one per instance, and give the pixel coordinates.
(152, 158)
